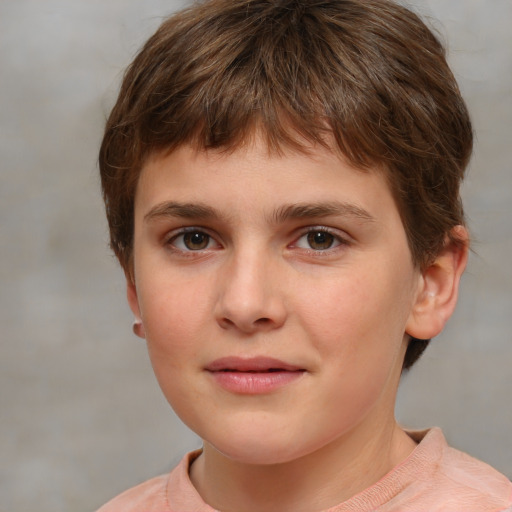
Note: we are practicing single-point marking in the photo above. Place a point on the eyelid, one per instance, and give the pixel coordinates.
(343, 238)
(175, 233)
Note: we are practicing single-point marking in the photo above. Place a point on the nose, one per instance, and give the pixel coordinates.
(251, 295)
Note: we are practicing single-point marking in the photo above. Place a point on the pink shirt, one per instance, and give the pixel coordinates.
(434, 478)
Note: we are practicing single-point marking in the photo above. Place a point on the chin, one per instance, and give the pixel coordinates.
(263, 447)
(258, 454)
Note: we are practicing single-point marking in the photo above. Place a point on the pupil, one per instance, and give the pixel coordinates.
(196, 241)
(320, 240)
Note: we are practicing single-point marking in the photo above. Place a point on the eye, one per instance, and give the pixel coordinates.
(318, 240)
(192, 241)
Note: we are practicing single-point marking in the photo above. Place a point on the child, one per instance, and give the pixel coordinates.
(282, 181)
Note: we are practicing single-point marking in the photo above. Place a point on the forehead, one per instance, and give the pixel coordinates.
(250, 179)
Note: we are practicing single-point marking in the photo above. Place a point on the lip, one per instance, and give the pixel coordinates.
(252, 376)
(252, 364)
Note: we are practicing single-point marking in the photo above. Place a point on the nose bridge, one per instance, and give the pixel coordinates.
(250, 298)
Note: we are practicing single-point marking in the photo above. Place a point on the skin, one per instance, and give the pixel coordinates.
(247, 280)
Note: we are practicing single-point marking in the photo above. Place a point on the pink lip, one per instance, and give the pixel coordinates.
(257, 375)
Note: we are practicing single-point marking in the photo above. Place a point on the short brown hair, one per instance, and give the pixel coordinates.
(368, 73)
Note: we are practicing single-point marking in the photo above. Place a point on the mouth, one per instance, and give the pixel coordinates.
(253, 376)
(251, 365)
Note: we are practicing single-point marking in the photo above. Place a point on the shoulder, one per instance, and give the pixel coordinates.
(435, 478)
(149, 496)
(457, 481)
(458, 470)
(164, 493)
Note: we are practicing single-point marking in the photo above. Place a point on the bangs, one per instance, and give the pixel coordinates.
(287, 73)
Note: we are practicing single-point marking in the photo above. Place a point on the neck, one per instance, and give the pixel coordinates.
(315, 481)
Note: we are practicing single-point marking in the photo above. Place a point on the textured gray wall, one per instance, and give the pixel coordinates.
(81, 417)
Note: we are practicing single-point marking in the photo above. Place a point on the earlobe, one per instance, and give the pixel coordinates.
(133, 302)
(438, 288)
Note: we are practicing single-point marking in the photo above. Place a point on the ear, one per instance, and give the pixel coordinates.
(438, 288)
(133, 302)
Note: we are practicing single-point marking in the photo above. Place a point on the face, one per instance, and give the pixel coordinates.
(275, 293)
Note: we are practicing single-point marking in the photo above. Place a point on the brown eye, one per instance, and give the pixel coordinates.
(195, 240)
(320, 240)
(192, 241)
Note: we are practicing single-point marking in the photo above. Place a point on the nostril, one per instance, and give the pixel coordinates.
(226, 323)
(263, 321)
(250, 326)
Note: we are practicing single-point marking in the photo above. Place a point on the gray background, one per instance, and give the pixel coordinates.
(81, 417)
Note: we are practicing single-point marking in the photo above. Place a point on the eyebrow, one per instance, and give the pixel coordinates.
(181, 210)
(201, 211)
(321, 209)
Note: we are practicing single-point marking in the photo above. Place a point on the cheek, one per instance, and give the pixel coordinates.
(172, 328)
(360, 319)
(172, 312)
(345, 307)
(359, 339)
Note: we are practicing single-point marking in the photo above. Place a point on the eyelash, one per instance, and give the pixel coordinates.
(337, 240)
(188, 231)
